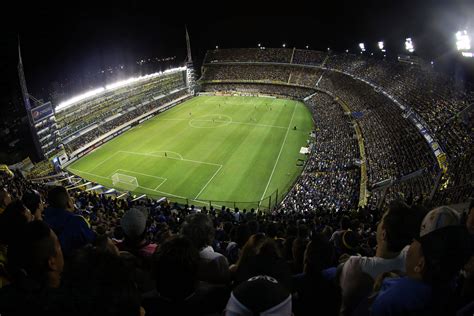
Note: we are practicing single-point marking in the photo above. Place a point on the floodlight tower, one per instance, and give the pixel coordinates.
(381, 46)
(409, 46)
(463, 43)
(190, 75)
(27, 104)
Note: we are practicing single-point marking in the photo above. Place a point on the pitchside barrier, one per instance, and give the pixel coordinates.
(269, 203)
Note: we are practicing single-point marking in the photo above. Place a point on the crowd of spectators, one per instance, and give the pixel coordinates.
(79, 252)
(93, 111)
(263, 73)
(258, 88)
(305, 77)
(123, 116)
(309, 57)
(395, 148)
(436, 98)
(331, 176)
(249, 55)
(74, 252)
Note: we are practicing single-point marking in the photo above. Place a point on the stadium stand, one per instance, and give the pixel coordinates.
(331, 178)
(269, 244)
(387, 98)
(86, 120)
(319, 252)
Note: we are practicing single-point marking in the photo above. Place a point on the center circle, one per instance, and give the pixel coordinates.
(210, 121)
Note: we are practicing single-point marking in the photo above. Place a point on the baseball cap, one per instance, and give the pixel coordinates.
(259, 295)
(444, 241)
(133, 222)
(438, 218)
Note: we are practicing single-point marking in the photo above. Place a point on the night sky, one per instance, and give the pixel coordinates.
(68, 45)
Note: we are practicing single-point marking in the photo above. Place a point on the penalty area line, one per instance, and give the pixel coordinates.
(205, 186)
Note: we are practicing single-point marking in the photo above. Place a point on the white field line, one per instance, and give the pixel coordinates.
(279, 154)
(205, 186)
(160, 184)
(166, 151)
(142, 187)
(146, 175)
(105, 160)
(260, 125)
(88, 173)
(221, 121)
(143, 174)
(156, 156)
(165, 193)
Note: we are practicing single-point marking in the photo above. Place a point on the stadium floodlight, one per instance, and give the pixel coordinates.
(409, 45)
(381, 45)
(362, 47)
(80, 97)
(63, 105)
(468, 54)
(463, 42)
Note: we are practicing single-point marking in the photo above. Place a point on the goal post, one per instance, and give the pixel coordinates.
(123, 181)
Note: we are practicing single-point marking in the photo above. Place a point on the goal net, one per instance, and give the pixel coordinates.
(123, 181)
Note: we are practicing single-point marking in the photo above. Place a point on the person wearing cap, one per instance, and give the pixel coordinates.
(72, 230)
(133, 224)
(395, 231)
(260, 295)
(433, 260)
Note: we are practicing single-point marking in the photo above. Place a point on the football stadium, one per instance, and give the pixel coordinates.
(207, 149)
(279, 180)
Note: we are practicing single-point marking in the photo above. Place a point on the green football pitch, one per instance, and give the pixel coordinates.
(210, 148)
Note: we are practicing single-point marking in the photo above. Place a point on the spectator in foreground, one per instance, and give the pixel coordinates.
(100, 283)
(34, 202)
(36, 263)
(259, 295)
(213, 267)
(133, 224)
(72, 230)
(262, 256)
(178, 290)
(12, 222)
(395, 231)
(313, 291)
(433, 260)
